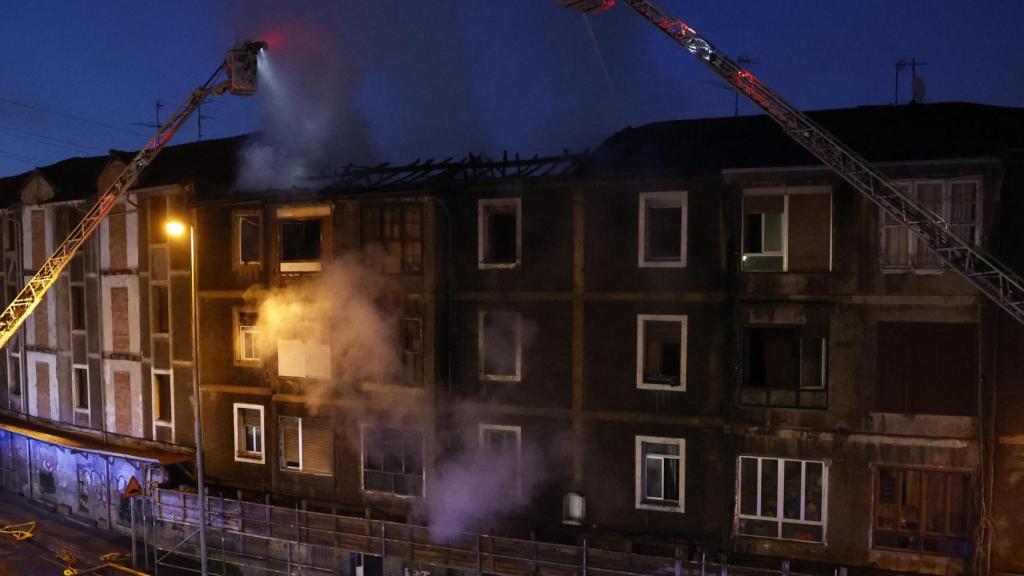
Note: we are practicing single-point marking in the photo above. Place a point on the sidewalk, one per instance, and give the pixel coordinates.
(37, 556)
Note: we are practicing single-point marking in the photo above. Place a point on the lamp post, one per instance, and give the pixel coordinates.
(177, 229)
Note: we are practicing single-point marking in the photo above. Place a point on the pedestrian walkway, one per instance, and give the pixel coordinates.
(38, 555)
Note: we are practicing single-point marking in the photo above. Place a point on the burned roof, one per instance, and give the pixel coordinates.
(909, 133)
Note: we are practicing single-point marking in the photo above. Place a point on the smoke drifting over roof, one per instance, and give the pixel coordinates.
(394, 81)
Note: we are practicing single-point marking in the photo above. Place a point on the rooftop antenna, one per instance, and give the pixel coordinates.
(199, 120)
(158, 105)
(744, 61)
(917, 84)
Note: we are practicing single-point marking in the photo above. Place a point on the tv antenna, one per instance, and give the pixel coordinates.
(917, 84)
(158, 105)
(744, 61)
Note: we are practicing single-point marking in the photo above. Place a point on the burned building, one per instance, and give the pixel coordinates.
(693, 342)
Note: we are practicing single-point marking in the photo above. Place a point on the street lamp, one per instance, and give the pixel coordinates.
(176, 229)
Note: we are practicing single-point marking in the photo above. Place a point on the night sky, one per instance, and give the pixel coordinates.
(398, 80)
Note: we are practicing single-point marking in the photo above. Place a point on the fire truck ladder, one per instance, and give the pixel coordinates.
(977, 265)
(240, 69)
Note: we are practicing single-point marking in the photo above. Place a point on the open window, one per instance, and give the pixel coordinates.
(247, 346)
(661, 352)
(393, 461)
(787, 229)
(923, 511)
(499, 231)
(782, 499)
(247, 238)
(249, 433)
(307, 445)
(663, 230)
(660, 473)
(500, 343)
(80, 387)
(784, 366)
(302, 238)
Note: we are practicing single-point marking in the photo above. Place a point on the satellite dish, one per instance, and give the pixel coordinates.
(917, 85)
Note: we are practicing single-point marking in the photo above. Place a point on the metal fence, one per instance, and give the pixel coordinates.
(246, 537)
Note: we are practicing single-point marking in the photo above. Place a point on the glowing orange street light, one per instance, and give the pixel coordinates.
(175, 228)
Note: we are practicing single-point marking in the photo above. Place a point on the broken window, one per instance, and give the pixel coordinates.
(307, 445)
(398, 230)
(660, 469)
(161, 309)
(393, 461)
(412, 350)
(923, 511)
(661, 352)
(80, 385)
(500, 345)
(501, 445)
(662, 229)
(499, 234)
(248, 236)
(782, 499)
(77, 307)
(784, 366)
(954, 201)
(300, 245)
(787, 229)
(163, 409)
(249, 433)
(247, 337)
(299, 359)
(927, 368)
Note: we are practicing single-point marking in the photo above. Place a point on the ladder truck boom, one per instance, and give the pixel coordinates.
(239, 67)
(989, 275)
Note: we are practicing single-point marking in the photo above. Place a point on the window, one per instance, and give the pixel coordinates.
(499, 233)
(163, 399)
(398, 229)
(300, 245)
(248, 238)
(782, 499)
(249, 433)
(14, 364)
(661, 352)
(500, 346)
(307, 445)
(662, 228)
(80, 385)
(955, 201)
(77, 307)
(660, 473)
(787, 229)
(502, 447)
(161, 309)
(923, 511)
(927, 368)
(298, 359)
(247, 351)
(393, 461)
(412, 350)
(784, 366)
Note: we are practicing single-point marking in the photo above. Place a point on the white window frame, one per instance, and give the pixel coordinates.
(240, 452)
(75, 386)
(915, 244)
(236, 220)
(239, 343)
(315, 212)
(665, 199)
(482, 348)
(518, 430)
(786, 192)
(779, 518)
(362, 461)
(155, 398)
(641, 355)
(482, 229)
(302, 463)
(640, 467)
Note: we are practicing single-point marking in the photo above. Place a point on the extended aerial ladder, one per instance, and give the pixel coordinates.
(978, 266)
(239, 70)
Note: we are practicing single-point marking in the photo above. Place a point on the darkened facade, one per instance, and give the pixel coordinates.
(692, 341)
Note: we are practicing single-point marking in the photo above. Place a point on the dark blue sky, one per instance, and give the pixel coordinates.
(398, 80)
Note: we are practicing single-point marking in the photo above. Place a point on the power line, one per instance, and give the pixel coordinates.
(48, 140)
(21, 158)
(70, 116)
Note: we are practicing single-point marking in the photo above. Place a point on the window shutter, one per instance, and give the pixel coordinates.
(317, 446)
